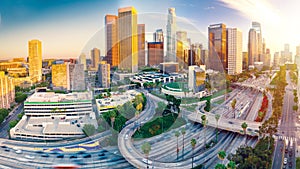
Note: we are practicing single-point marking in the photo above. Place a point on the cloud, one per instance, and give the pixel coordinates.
(210, 8)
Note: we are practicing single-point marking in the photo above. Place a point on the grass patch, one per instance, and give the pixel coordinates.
(298, 162)
(159, 125)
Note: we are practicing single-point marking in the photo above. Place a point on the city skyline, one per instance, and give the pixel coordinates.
(24, 20)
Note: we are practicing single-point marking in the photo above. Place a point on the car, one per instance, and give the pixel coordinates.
(81, 152)
(290, 153)
(126, 136)
(73, 156)
(39, 152)
(87, 156)
(29, 157)
(6, 150)
(18, 151)
(230, 122)
(3, 146)
(101, 154)
(60, 156)
(285, 161)
(145, 161)
(45, 155)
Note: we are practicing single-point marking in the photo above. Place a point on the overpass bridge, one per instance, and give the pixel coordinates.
(233, 125)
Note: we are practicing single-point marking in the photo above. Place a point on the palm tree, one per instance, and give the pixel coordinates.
(146, 148)
(231, 165)
(222, 155)
(183, 131)
(233, 103)
(112, 115)
(217, 117)
(193, 143)
(244, 126)
(204, 122)
(177, 134)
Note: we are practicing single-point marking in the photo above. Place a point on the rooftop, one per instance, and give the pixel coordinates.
(59, 97)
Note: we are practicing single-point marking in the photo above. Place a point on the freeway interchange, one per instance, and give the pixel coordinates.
(128, 153)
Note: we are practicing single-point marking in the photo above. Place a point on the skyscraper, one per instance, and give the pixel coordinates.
(181, 48)
(234, 50)
(111, 35)
(171, 35)
(141, 44)
(128, 39)
(82, 60)
(276, 61)
(35, 60)
(95, 56)
(7, 91)
(286, 55)
(257, 27)
(252, 47)
(267, 58)
(155, 53)
(104, 74)
(158, 35)
(245, 61)
(217, 47)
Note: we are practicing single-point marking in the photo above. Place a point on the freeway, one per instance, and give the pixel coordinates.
(285, 146)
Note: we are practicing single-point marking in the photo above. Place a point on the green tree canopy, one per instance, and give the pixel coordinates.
(89, 129)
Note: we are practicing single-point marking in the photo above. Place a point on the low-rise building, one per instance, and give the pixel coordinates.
(54, 116)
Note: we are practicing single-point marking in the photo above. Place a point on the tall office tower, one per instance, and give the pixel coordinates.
(171, 35)
(68, 76)
(286, 55)
(217, 58)
(245, 61)
(7, 91)
(276, 58)
(252, 47)
(76, 77)
(196, 48)
(267, 58)
(234, 50)
(111, 36)
(158, 35)
(181, 48)
(82, 60)
(60, 76)
(204, 56)
(141, 44)
(155, 53)
(35, 60)
(95, 56)
(257, 27)
(104, 75)
(128, 39)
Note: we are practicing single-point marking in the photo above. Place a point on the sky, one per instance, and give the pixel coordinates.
(69, 27)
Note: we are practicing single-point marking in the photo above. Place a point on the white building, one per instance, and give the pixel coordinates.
(82, 60)
(171, 35)
(53, 116)
(235, 53)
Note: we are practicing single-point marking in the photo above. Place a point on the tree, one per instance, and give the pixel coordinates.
(183, 131)
(89, 129)
(177, 134)
(13, 123)
(231, 165)
(204, 123)
(207, 106)
(112, 116)
(217, 117)
(222, 155)
(233, 103)
(20, 97)
(220, 166)
(146, 148)
(244, 126)
(193, 144)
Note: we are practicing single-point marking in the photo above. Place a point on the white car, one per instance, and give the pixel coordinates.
(18, 151)
(29, 156)
(285, 161)
(126, 136)
(145, 161)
